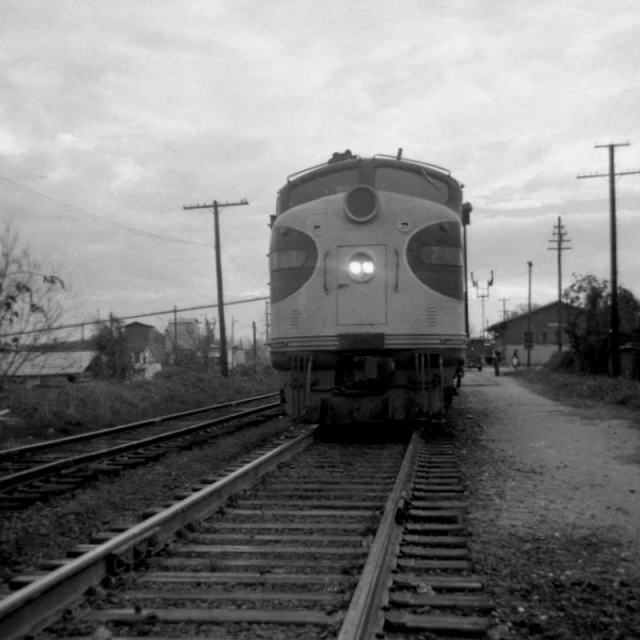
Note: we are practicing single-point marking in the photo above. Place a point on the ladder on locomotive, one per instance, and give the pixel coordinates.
(300, 385)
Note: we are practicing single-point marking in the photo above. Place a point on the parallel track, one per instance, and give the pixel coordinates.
(37, 472)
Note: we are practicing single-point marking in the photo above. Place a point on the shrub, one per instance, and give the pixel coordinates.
(97, 404)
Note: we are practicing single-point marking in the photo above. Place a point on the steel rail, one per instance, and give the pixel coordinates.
(33, 607)
(43, 470)
(92, 435)
(367, 598)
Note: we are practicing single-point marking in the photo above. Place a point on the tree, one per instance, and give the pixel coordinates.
(111, 344)
(30, 304)
(589, 327)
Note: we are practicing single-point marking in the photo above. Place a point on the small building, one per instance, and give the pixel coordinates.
(510, 333)
(52, 368)
(184, 334)
(147, 348)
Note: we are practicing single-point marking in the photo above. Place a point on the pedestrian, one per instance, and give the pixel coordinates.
(515, 361)
(496, 361)
(459, 373)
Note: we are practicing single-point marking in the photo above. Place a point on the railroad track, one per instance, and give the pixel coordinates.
(340, 540)
(35, 473)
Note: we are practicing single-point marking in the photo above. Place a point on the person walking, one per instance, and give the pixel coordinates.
(496, 361)
(515, 361)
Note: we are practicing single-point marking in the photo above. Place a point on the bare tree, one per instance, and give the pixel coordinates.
(30, 304)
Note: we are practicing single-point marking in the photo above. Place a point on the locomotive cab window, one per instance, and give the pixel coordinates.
(322, 186)
(418, 184)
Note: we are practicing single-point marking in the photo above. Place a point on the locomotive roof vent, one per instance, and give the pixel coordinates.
(361, 203)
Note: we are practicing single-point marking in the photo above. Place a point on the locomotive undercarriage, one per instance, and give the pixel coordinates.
(358, 387)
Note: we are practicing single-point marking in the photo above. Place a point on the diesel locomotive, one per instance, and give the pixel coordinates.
(366, 283)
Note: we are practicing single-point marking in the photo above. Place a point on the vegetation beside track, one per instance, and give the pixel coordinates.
(573, 387)
(77, 408)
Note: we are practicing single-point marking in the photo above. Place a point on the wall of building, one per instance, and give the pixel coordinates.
(186, 334)
(544, 327)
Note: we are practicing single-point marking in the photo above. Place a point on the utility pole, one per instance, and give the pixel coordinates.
(233, 343)
(504, 307)
(255, 347)
(482, 293)
(267, 321)
(529, 341)
(175, 334)
(559, 240)
(615, 321)
(224, 367)
(466, 221)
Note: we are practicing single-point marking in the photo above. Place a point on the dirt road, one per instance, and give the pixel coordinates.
(556, 514)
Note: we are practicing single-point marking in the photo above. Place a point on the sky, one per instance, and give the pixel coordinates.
(115, 115)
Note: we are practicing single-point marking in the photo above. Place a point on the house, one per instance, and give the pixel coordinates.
(184, 333)
(147, 348)
(51, 368)
(510, 333)
(184, 341)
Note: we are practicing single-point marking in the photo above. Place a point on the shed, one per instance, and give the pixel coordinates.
(52, 367)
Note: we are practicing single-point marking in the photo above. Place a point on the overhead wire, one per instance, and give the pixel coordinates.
(41, 197)
(83, 213)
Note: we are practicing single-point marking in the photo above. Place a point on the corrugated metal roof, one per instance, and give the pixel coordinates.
(55, 363)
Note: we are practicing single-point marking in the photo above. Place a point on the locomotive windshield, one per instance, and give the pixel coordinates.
(418, 184)
(321, 186)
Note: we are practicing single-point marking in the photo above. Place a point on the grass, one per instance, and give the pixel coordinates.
(78, 408)
(573, 386)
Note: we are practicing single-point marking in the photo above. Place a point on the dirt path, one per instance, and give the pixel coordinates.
(556, 514)
(564, 468)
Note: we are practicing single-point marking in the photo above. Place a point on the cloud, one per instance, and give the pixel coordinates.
(128, 111)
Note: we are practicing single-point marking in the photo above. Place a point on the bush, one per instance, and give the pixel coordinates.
(561, 361)
(77, 408)
(561, 385)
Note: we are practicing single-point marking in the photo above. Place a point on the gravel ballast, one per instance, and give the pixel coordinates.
(46, 531)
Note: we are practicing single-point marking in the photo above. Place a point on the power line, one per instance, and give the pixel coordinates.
(615, 322)
(37, 195)
(79, 325)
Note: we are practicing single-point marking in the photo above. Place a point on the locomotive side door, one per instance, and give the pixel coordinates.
(362, 290)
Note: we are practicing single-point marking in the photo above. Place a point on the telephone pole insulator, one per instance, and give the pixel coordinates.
(482, 293)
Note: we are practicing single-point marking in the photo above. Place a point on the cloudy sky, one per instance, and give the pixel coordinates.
(113, 115)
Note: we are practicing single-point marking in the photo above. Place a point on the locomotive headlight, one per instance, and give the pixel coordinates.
(361, 267)
(355, 268)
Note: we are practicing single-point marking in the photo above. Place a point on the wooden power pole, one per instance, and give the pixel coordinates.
(504, 307)
(224, 366)
(558, 240)
(615, 321)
